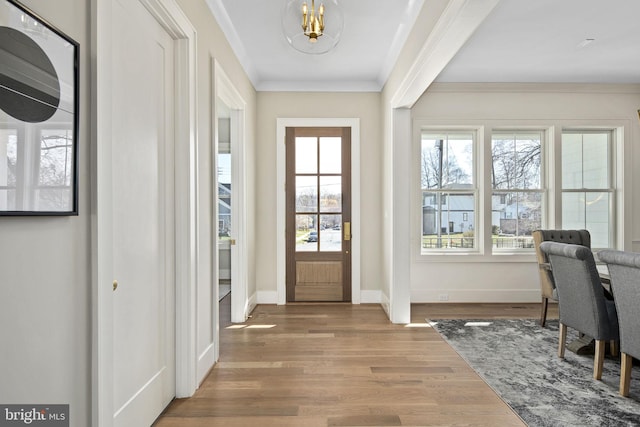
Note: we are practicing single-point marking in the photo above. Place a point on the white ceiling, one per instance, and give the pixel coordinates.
(520, 41)
(539, 41)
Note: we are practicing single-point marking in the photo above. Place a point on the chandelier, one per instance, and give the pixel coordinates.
(312, 24)
(311, 30)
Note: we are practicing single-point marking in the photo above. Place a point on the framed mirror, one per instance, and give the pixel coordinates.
(38, 115)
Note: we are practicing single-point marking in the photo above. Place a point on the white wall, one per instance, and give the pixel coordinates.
(212, 45)
(515, 278)
(45, 271)
(366, 107)
(395, 202)
(45, 276)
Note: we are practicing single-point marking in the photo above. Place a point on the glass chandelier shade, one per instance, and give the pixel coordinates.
(312, 27)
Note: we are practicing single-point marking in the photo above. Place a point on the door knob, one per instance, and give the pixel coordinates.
(115, 285)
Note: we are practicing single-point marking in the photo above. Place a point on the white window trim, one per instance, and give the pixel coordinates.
(478, 171)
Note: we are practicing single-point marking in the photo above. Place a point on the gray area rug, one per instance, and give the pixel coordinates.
(519, 360)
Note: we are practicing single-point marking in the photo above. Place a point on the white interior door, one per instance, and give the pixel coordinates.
(142, 216)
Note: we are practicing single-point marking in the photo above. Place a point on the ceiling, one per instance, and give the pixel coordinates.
(519, 41)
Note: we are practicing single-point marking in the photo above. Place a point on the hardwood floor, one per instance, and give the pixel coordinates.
(479, 311)
(312, 365)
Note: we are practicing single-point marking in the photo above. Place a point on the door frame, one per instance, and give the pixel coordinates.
(178, 26)
(281, 258)
(227, 93)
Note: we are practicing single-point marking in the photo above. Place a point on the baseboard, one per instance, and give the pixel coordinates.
(385, 303)
(205, 362)
(251, 304)
(471, 296)
(419, 295)
(271, 297)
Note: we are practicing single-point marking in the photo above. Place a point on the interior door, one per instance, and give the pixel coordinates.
(318, 230)
(142, 216)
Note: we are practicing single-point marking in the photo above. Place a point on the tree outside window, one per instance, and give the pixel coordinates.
(449, 196)
(516, 202)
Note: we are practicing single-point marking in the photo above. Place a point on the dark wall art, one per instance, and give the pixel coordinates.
(38, 115)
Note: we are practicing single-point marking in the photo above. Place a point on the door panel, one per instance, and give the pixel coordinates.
(318, 207)
(142, 213)
(318, 281)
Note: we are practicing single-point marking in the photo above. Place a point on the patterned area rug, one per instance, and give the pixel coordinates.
(519, 360)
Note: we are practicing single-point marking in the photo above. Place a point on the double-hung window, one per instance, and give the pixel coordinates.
(449, 192)
(460, 211)
(517, 190)
(587, 184)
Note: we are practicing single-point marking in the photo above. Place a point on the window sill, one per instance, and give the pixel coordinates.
(467, 257)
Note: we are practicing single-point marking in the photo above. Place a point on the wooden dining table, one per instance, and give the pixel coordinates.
(603, 272)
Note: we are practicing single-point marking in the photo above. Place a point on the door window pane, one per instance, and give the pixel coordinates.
(306, 233)
(306, 194)
(330, 155)
(306, 155)
(330, 233)
(330, 194)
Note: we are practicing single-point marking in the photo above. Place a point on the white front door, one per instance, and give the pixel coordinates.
(142, 215)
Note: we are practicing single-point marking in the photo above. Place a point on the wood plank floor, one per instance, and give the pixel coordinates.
(313, 365)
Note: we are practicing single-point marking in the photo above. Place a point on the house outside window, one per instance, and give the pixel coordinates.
(517, 189)
(587, 184)
(449, 193)
(456, 216)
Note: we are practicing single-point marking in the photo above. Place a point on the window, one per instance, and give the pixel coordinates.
(36, 169)
(8, 167)
(496, 213)
(55, 169)
(516, 202)
(587, 191)
(449, 193)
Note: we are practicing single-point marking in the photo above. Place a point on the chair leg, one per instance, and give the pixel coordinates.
(625, 374)
(598, 359)
(562, 340)
(613, 347)
(543, 313)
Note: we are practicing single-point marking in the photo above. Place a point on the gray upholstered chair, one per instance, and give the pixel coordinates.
(547, 286)
(624, 270)
(581, 299)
